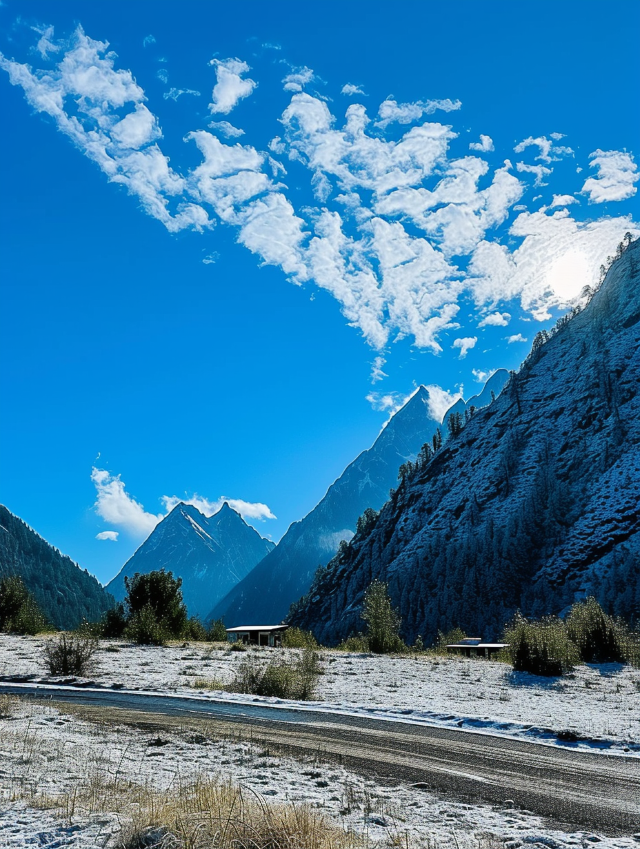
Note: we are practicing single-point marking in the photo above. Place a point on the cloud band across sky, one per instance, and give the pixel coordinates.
(400, 230)
(118, 508)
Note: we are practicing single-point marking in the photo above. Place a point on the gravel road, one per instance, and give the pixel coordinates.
(593, 791)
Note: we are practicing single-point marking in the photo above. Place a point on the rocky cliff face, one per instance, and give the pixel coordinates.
(66, 593)
(266, 594)
(210, 554)
(535, 502)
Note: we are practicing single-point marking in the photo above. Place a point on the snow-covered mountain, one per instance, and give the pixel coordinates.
(210, 554)
(266, 594)
(534, 503)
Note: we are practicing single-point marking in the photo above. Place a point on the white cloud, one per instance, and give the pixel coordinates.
(45, 43)
(230, 87)
(148, 39)
(540, 172)
(482, 376)
(227, 129)
(350, 90)
(85, 96)
(247, 509)
(485, 145)
(298, 79)
(441, 400)
(465, 344)
(389, 401)
(562, 200)
(391, 214)
(617, 173)
(548, 151)
(117, 507)
(558, 256)
(376, 369)
(391, 112)
(495, 319)
(518, 337)
(162, 75)
(175, 93)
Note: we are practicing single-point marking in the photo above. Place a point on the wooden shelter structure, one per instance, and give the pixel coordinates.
(473, 646)
(257, 635)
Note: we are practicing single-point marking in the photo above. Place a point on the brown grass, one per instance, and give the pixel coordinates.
(207, 813)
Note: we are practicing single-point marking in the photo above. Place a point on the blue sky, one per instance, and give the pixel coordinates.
(232, 244)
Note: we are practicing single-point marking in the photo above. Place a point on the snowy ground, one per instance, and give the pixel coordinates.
(46, 756)
(598, 703)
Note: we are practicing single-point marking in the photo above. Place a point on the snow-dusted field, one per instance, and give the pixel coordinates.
(600, 703)
(47, 756)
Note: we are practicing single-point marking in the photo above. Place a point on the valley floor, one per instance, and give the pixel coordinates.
(600, 704)
(51, 760)
(66, 782)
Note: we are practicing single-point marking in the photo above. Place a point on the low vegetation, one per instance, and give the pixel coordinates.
(552, 646)
(296, 638)
(154, 612)
(282, 678)
(70, 654)
(541, 648)
(19, 611)
(355, 643)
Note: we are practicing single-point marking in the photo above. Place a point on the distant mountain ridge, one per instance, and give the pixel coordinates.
(535, 503)
(210, 554)
(267, 592)
(66, 593)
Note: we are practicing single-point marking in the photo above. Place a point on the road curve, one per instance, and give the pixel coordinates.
(575, 789)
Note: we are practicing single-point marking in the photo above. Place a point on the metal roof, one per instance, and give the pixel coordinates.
(256, 628)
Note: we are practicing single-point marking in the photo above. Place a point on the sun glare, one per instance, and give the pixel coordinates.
(569, 274)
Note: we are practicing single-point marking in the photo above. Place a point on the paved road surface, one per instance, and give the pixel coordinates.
(598, 792)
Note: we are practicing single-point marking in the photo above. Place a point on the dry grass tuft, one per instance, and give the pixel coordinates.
(209, 684)
(205, 814)
(8, 705)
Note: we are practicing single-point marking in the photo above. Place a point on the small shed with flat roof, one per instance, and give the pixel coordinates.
(473, 646)
(257, 635)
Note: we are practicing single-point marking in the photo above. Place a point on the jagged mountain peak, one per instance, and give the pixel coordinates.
(210, 554)
(286, 574)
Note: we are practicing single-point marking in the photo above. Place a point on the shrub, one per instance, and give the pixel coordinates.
(145, 629)
(158, 592)
(541, 648)
(447, 638)
(195, 630)
(281, 678)
(70, 654)
(296, 638)
(237, 646)
(114, 623)
(356, 643)
(599, 638)
(19, 611)
(383, 621)
(217, 632)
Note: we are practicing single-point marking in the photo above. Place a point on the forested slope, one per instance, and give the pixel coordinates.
(534, 502)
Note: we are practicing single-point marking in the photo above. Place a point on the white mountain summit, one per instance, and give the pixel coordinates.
(211, 554)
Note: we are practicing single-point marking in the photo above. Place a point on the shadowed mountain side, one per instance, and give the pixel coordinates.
(210, 554)
(535, 501)
(66, 593)
(266, 594)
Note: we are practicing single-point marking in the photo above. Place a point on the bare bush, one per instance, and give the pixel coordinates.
(281, 678)
(70, 654)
